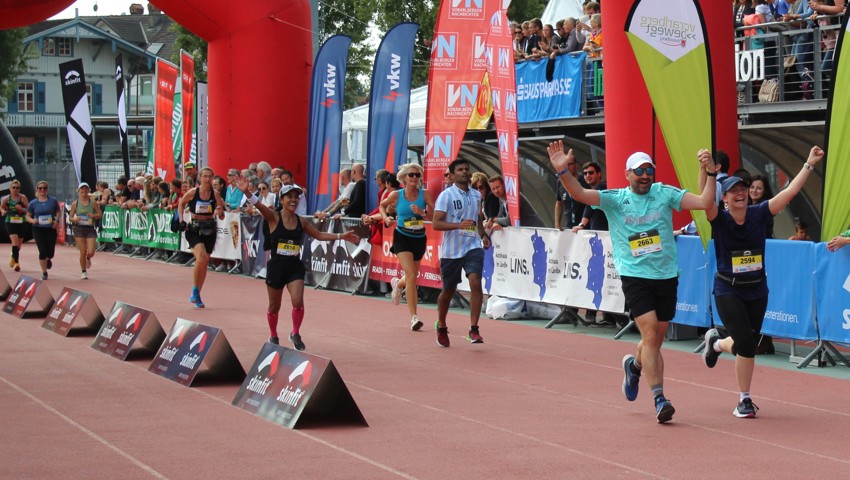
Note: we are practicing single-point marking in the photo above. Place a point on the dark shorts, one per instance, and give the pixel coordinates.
(472, 262)
(743, 320)
(16, 228)
(85, 232)
(405, 243)
(193, 239)
(644, 295)
(45, 240)
(280, 272)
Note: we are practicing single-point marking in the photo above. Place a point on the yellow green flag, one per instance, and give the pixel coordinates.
(836, 201)
(668, 40)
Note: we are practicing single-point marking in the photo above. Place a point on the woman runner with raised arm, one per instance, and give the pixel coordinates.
(285, 268)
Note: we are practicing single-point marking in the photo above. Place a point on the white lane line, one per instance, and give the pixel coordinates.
(86, 431)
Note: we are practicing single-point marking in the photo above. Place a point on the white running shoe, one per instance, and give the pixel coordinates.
(84, 276)
(415, 323)
(396, 293)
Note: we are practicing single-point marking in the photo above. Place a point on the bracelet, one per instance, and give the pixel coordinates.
(710, 174)
(808, 166)
(565, 170)
(339, 236)
(254, 199)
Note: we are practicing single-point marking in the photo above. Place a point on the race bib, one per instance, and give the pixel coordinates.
(644, 243)
(414, 224)
(203, 208)
(470, 231)
(45, 219)
(84, 220)
(16, 219)
(744, 261)
(288, 249)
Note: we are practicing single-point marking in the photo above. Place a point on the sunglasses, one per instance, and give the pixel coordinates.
(414, 175)
(590, 172)
(15, 188)
(640, 171)
(42, 188)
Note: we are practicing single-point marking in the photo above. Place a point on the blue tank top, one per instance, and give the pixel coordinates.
(409, 223)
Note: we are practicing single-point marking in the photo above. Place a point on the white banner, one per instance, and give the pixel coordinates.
(228, 238)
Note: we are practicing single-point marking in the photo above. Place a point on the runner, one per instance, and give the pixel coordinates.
(458, 214)
(641, 221)
(740, 284)
(14, 207)
(285, 268)
(204, 205)
(413, 206)
(43, 213)
(84, 212)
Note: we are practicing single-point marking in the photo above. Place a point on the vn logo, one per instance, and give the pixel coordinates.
(439, 146)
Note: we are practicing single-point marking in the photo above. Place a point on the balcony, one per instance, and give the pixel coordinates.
(36, 120)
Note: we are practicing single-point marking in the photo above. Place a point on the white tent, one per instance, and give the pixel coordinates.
(560, 9)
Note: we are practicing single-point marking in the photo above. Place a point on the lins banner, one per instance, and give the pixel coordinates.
(326, 104)
(389, 107)
(166, 81)
(78, 120)
(671, 49)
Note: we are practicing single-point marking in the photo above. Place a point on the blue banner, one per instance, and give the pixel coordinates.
(790, 305)
(326, 105)
(538, 99)
(832, 287)
(692, 295)
(389, 106)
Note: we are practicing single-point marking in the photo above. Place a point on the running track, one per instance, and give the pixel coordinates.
(528, 403)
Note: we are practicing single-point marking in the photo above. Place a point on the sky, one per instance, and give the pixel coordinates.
(104, 7)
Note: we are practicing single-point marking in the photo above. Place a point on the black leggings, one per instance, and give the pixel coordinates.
(45, 240)
(743, 319)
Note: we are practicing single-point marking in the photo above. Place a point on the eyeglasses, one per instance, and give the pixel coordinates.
(414, 174)
(640, 171)
(590, 172)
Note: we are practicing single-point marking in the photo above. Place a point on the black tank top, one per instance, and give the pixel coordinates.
(198, 206)
(285, 244)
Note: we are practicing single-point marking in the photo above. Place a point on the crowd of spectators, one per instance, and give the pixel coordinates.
(535, 41)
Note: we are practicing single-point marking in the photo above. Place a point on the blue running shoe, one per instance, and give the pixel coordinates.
(663, 409)
(195, 300)
(745, 409)
(630, 379)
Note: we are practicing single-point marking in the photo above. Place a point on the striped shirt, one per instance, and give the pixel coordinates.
(459, 205)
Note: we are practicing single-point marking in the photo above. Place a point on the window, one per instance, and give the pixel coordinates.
(26, 96)
(88, 96)
(49, 47)
(27, 146)
(64, 47)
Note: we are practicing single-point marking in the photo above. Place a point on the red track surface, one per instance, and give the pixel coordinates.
(528, 403)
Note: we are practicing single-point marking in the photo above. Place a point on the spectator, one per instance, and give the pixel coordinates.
(519, 44)
(164, 193)
(105, 197)
(233, 197)
(801, 231)
(583, 24)
(829, 36)
(176, 191)
(276, 186)
(802, 47)
(346, 188)
(721, 164)
(535, 28)
(218, 185)
(357, 205)
(593, 218)
(264, 172)
(570, 41)
(547, 43)
(122, 191)
(190, 173)
(740, 9)
(481, 183)
(266, 196)
(287, 179)
(561, 33)
(448, 179)
(743, 174)
(566, 205)
(526, 36)
(527, 216)
(276, 172)
(593, 47)
(759, 192)
(839, 241)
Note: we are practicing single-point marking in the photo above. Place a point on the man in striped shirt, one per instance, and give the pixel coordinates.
(457, 213)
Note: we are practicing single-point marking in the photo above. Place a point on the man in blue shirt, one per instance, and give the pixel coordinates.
(641, 222)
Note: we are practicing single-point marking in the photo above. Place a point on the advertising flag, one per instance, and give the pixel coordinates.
(187, 77)
(326, 103)
(671, 49)
(500, 68)
(166, 82)
(457, 64)
(836, 202)
(122, 113)
(389, 108)
(483, 108)
(78, 120)
(177, 131)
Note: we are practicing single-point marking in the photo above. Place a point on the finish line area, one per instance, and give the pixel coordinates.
(528, 403)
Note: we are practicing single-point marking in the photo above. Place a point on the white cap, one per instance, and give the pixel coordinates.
(637, 159)
(84, 184)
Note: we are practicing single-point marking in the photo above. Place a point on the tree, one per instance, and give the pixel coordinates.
(522, 10)
(351, 17)
(14, 61)
(424, 13)
(193, 44)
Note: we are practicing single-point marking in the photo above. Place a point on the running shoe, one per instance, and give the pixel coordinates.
(17, 267)
(11, 261)
(274, 340)
(88, 263)
(415, 323)
(195, 299)
(474, 337)
(663, 409)
(746, 409)
(442, 335)
(44, 275)
(296, 341)
(49, 263)
(396, 293)
(709, 356)
(630, 379)
(84, 276)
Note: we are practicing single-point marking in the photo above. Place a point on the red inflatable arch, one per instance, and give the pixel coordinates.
(260, 61)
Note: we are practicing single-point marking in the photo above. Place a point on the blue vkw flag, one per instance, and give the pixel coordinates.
(326, 96)
(389, 106)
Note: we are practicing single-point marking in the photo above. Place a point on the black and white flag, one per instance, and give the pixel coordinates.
(122, 113)
(79, 121)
